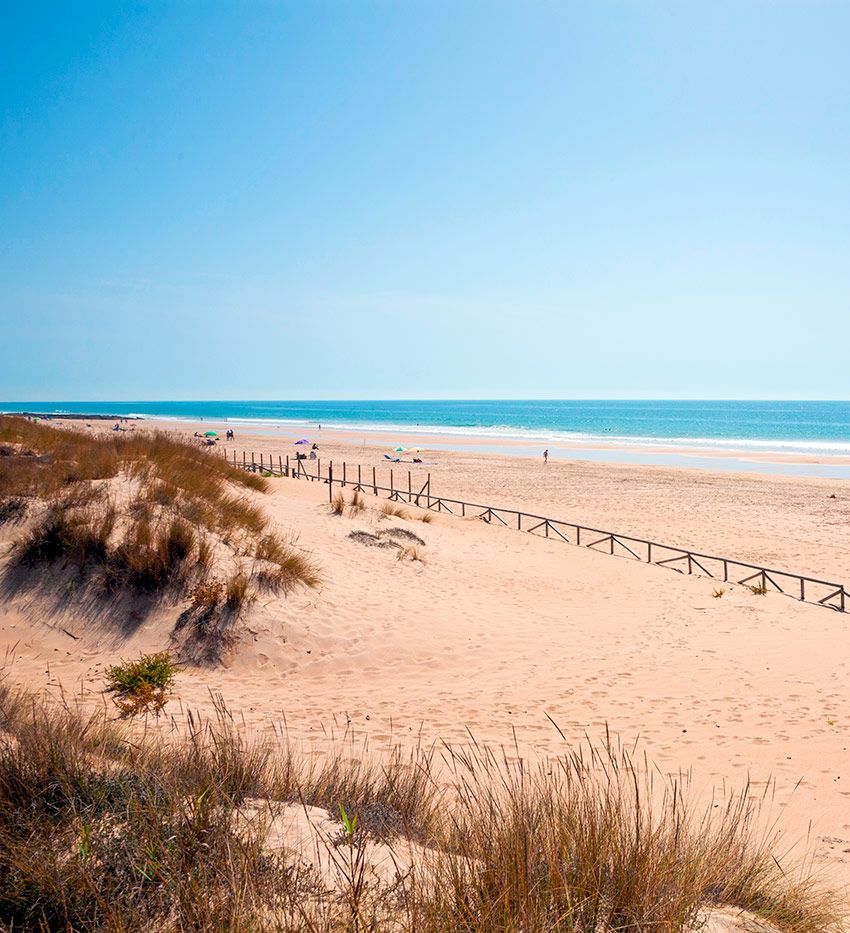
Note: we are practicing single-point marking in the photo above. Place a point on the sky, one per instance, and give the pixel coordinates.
(424, 199)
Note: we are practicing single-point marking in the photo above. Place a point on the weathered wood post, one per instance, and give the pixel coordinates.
(429, 490)
(343, 473)
(331, 482)
(287, 464)
(280, 464)
(374, 482)
(392, 485)
(409, 488)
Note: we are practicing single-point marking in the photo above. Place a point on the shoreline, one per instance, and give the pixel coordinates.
(729, 459)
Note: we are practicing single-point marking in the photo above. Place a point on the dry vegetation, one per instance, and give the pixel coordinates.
(410, 552)
(391, 510)
(141, 512)
(101, 830)
(353, 507)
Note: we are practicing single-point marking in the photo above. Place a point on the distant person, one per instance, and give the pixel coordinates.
(314, 447)
(313, 452)
(320, 427)
(546, 455)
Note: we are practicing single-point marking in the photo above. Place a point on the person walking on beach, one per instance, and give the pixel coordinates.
(546, 455)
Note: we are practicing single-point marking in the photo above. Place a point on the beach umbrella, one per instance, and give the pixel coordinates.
(399, 450)
(210, 433)
(302, 441)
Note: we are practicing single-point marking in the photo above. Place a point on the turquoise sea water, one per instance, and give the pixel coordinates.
(810, 427)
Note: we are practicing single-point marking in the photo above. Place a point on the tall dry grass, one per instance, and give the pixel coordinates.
(103, 830)
(187, 505)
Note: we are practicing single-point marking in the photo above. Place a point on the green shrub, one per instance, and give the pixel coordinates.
(141, 685)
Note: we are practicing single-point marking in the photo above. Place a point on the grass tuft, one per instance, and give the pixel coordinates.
(390, 509)
(236, 592)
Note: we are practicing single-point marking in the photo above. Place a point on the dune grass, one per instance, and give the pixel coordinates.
(410, 552)
(338, 503)
(186, 506)
(391, 510)
(101, 829)
(353, 507)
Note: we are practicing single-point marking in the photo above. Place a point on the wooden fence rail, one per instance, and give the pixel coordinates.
(723, 569)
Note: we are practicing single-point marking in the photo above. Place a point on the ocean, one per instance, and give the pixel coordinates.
(819, 428)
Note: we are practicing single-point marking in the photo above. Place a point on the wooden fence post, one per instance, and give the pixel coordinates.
(409, 488)
(392, 485)
(331, 482)
(343, 473)
(280, 464)
(374, 482)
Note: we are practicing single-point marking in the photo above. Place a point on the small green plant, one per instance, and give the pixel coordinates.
(719, 592)
(349, 822)
(758, 590)
(142, 685)
(85, 845)
(267, 474)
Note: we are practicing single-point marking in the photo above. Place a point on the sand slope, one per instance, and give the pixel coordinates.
(494, 632)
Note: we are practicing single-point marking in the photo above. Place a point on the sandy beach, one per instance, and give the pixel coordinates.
(496, 634)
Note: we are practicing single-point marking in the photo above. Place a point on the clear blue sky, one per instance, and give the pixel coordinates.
(436, 199)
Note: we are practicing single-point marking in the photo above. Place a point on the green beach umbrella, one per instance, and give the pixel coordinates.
(399, 450)
(210, 433)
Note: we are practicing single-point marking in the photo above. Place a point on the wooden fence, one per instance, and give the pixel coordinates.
(723, 569)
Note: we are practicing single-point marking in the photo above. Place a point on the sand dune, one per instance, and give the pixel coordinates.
(494, 632)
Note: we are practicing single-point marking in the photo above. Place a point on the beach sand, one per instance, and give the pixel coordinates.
(497, 634)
